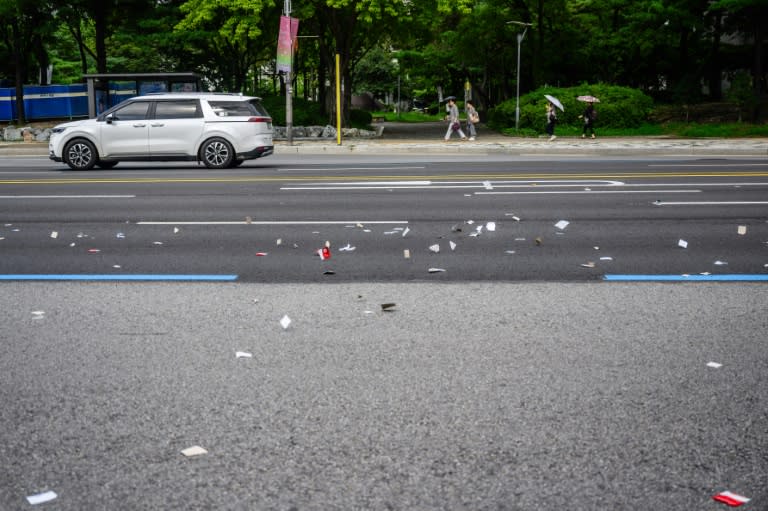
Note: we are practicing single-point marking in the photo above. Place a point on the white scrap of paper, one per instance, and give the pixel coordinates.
(490, 226)
(721, 263)
(42, 497)
(243, 354)
(606, 258)
(407, 253)
(348, 248)
(509, 251)
(714, 365)
(562, 224)
(195, 450)
(436, 270)
(742, 230)
(452, 244)
(54, 234)
(175, 230)
(406, 231)
(682, 244)
(285, 322)
(435, 248)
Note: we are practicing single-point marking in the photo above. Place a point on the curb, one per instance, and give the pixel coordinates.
(497, 145)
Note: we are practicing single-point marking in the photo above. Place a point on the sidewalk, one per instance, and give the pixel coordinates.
(427, 138)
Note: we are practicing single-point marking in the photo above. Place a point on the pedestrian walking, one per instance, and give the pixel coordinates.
(590, 115)
(472, 118)
(551, 120)
(453, 119)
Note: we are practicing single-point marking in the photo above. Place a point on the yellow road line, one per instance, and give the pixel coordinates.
(438, 177)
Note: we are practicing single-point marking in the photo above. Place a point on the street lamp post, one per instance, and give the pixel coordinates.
(520, 38)
(289, 81)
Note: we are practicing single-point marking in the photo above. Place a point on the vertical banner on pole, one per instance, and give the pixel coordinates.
(286, 42)
(338, 100)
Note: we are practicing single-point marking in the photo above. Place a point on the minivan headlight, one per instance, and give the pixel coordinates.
(58, 129)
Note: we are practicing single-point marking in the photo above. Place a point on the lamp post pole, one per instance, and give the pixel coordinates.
(520, 38)
(289, 81)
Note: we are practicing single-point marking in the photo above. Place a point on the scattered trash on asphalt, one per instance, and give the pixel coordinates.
(176, 230)
(195, 450)
(329, 272)
(682, 244)
(279, 241)
(490, 226)
(714, 365)
(538, 241)
(589, 264)
(562, 224)
(606, 258)
(285, 322)
(435, 248)
(720, 263)
(116, 266)
(348, 248)
(38, 314)
(731, 499)
(248, 220)
(406, 231)
(407, 253)
(243, 354)
(93, 250)
(157, 242)
(41, 498)
(120, 235)
(436, 270)
(742, 230)
(261, 254)
(509, 251)
(388, 307)
(452, 245)
(54, 234)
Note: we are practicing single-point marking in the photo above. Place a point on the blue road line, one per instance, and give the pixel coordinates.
(734, 277)
(121, 277)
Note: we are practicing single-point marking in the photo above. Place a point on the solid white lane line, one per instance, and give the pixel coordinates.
(586, 192)
(280, 222)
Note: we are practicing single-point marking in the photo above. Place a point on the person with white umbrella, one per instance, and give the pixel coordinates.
(552, 115)
(589, 115)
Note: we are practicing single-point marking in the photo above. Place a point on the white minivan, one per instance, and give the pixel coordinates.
(219, 130)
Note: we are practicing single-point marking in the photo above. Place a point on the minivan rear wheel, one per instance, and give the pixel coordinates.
(217, 153)
(80, 154)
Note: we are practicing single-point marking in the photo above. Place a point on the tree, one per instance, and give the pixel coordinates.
(22, 25)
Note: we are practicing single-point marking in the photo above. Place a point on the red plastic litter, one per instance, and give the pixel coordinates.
(261, 254)
(731, 499)
(94, 250)
(324, 253)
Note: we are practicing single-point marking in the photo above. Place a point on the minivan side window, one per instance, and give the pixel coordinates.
(178, 109)
(135, 111)
(232, 108)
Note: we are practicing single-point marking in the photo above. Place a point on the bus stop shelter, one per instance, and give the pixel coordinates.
(108, 89)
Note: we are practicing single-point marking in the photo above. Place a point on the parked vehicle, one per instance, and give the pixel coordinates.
(219, 130)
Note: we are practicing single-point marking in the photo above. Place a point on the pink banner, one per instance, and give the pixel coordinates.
(286, 42)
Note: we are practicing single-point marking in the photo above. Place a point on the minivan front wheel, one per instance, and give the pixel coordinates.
(80, 154)
(217, 153)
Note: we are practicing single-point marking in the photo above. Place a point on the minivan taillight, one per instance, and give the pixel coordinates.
(260, 119)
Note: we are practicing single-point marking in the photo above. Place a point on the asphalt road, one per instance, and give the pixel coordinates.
(510, 381)
(465, 396)
(388, 219)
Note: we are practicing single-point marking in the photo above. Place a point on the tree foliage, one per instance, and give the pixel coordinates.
(673, 50)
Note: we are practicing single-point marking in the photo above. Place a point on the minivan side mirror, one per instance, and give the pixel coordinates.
(109, 118)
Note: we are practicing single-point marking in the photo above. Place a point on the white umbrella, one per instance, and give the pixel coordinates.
(588, 99)
(555, 102)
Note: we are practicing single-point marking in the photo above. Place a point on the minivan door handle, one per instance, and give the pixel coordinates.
(139, 125)
(158, 125)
